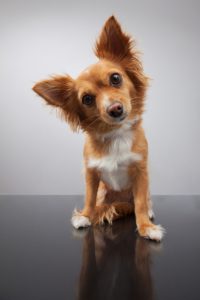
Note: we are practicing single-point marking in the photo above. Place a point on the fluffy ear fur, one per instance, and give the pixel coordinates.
(59, 91)
(114, 44)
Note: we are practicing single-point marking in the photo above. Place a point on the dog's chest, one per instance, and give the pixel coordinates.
(113, 167)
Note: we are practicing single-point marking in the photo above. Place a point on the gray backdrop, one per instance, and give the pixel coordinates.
(38, 152)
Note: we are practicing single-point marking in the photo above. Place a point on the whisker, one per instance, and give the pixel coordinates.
(93, 121)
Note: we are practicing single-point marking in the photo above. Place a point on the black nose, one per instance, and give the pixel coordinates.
(115, 110)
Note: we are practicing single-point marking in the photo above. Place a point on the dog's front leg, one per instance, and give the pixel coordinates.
(140, 192)
(83, 218)
(92, 184)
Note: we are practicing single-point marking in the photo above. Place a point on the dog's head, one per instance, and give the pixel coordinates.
(106, 94)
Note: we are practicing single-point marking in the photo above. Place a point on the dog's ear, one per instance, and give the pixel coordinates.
(56, 91)
(113, 43)
(59, 91)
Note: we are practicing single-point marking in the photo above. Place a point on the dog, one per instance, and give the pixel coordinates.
(106, 102)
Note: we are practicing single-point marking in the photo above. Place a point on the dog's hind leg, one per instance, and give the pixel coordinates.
(110, 212)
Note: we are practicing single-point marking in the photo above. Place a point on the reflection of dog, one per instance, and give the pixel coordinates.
(115, 264)
(106, 101)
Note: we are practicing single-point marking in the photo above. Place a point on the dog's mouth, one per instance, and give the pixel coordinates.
(116, 120)
(122, 118)
(119, 119)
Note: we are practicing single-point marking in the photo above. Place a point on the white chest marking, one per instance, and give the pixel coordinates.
(113, 167)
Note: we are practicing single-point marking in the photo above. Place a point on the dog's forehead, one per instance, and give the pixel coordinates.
(98, 71)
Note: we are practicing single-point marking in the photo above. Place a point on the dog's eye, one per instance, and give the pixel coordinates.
(88, 99)
(115, 79)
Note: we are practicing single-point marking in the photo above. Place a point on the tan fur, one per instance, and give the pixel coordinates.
(117, 54)
(111, 212)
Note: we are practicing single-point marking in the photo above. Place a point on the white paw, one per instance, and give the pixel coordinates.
(79, 221)
(155, 233)
(151, 214)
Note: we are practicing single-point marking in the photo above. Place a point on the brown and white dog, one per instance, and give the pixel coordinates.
(106, 101)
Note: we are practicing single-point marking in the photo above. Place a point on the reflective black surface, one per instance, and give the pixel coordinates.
(43, 257)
